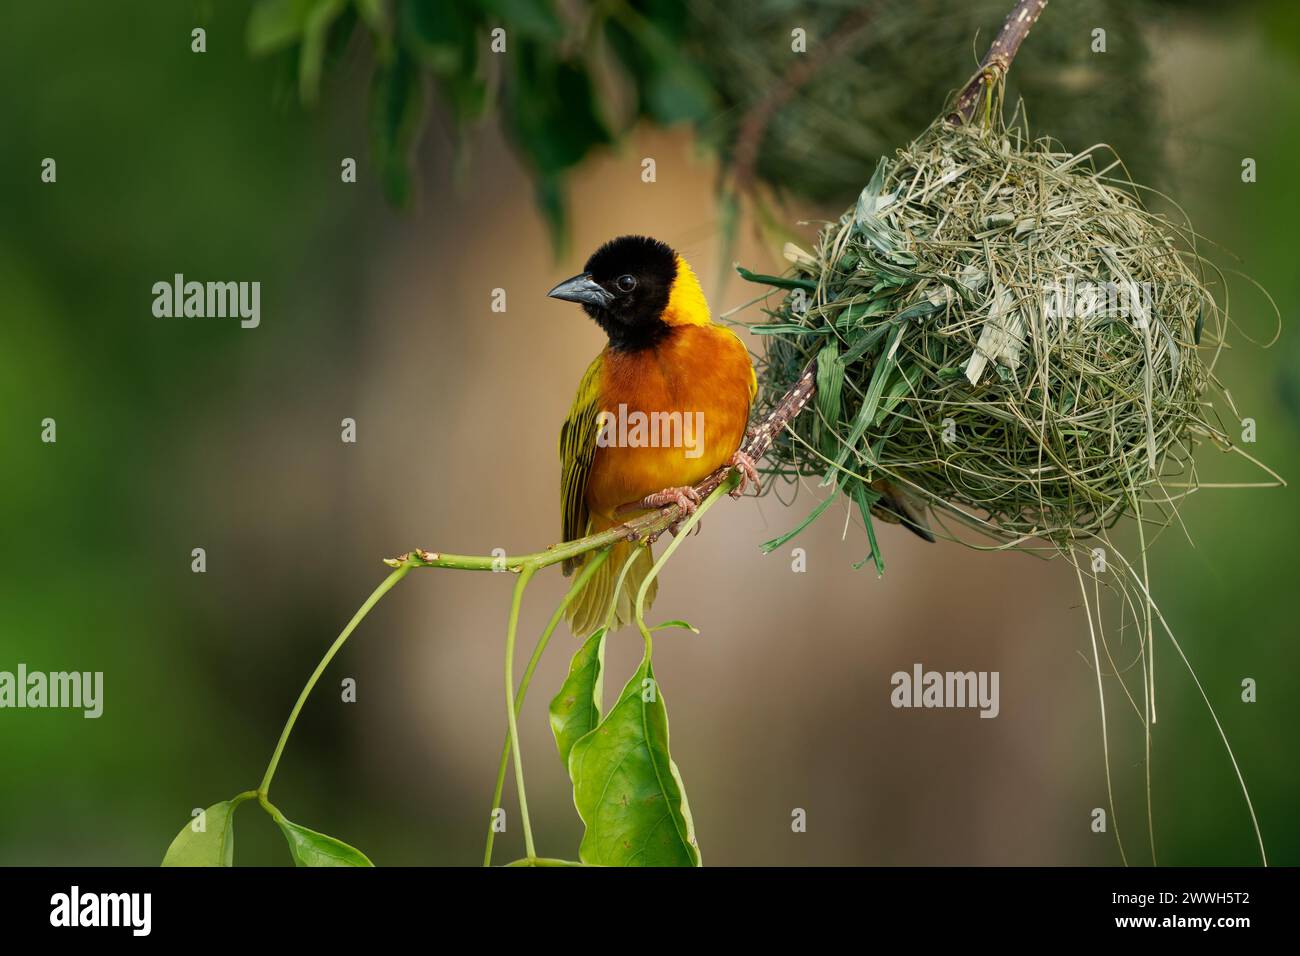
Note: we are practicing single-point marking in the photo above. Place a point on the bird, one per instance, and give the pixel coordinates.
(664, 405)
(898, 506)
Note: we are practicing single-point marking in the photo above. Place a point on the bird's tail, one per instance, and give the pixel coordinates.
(590, 606)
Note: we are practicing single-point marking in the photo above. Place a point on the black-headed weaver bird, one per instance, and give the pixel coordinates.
(666, 363)
(665, 357)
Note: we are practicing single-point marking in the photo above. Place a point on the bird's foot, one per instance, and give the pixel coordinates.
(684, 497)
(748, 472)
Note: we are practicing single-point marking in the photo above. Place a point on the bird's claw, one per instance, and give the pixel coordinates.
(684, 497)
(675, 528)
(748, 472)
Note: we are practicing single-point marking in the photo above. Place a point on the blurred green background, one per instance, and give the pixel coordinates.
(182, 433)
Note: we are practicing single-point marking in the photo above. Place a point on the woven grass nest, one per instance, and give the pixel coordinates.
(1004, 331)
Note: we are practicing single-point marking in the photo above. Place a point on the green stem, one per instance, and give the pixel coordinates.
(638, 529)
(339, 641)
(644, 526)
(511, 628)
(618, 585)
(678, 538)
(588, 569)
(538, 559)
(272, 810)
(545, 861)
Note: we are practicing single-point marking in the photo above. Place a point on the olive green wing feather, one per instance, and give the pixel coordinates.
(897, 506)
(577, 448)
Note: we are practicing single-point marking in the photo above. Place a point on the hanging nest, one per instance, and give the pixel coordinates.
(874, 72)
(1004, 335)
(1003, 331)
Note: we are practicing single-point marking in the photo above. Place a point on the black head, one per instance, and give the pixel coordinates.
(625, 287)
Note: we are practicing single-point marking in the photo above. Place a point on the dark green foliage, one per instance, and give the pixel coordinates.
(544, 81)
(873, 76)
(880, 71)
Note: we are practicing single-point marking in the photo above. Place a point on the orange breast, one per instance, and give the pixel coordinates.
(674, 414)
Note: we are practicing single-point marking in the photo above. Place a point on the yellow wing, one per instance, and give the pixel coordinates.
(577, 448)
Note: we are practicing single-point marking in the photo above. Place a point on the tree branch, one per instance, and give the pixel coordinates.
(997, 61)
(757, 444)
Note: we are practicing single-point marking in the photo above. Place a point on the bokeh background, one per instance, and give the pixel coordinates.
(175, 434)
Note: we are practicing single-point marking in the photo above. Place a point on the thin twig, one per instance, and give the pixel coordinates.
(758, 443)
(997, 61)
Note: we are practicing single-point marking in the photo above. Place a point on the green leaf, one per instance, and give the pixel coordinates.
(552, 117)
(467, 95)
(214, 845)
(440, 36)
(865, 498)
(780, 282)
(396, 118)
(310, 848)
(902, 385)
(857, 311)
(374, 14)
(830, 384)
(788, 328)
(528, 18)
(575, 710)
(678, 92)
(651, 40)
(627, 788)
(767, 547)
(275, 24)
(549, 194)
(552, 109)
(682, 624)
(867, 338)
(312, 55)
(917, 310)
(867, 412)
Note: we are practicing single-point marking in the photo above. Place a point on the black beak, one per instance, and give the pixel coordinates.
(582, 289)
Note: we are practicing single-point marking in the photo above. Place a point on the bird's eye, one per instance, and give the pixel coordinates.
(627, 283)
